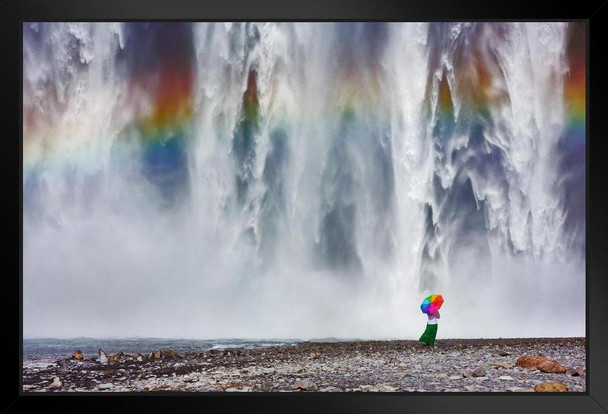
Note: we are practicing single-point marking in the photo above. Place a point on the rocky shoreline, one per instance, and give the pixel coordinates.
(452, 365)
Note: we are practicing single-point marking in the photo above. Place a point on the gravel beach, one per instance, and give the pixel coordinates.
(452, 365)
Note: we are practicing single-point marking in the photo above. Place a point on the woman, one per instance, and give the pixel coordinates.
(428, 337)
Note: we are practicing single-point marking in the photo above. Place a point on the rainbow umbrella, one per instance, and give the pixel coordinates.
(431, 304)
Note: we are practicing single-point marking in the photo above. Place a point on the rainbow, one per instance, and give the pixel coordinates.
(164, 118)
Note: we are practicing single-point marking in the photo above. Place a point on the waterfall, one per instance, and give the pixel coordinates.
(301, 180)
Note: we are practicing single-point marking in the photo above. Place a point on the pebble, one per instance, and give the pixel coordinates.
(335, 368)
(106, 386)
(56, 383)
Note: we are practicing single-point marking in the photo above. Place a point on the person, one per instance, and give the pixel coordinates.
(428, 337)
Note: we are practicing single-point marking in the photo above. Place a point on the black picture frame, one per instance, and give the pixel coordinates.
(14, 12)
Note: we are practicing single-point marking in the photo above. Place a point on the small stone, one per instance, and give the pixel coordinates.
(519, 389)
(306, 385)
(454, 377)
(501, 365)
(387, 388)
(190, 378)
(579, 372)
(505, 378)
(478, 372)
(56, 383)
(78, 355)
(331, 389)
(106, 386)
(550, 386)
(472, 388)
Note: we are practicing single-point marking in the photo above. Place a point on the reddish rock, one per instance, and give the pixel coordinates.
(551, 387)
(168, 353)
(115, 357)
(551, 367)
(78, 355)
(530, 361)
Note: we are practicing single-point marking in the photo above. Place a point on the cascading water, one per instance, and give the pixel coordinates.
(299, 180)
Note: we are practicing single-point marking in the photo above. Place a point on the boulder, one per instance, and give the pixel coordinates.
(168, 353)
(113, 358)
(77, 355)
(552, 367)
(103, 357)
(550, 387)
(306, 385)
(529, 361)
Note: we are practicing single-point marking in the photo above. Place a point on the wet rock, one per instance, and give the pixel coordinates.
(550, 386)
(77, 355)
(56, 383)
(552, 367)
(306, 385)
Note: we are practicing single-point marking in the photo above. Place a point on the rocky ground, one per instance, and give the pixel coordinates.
(452, 365)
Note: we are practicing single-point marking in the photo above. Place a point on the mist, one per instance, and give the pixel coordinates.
(302, 180)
